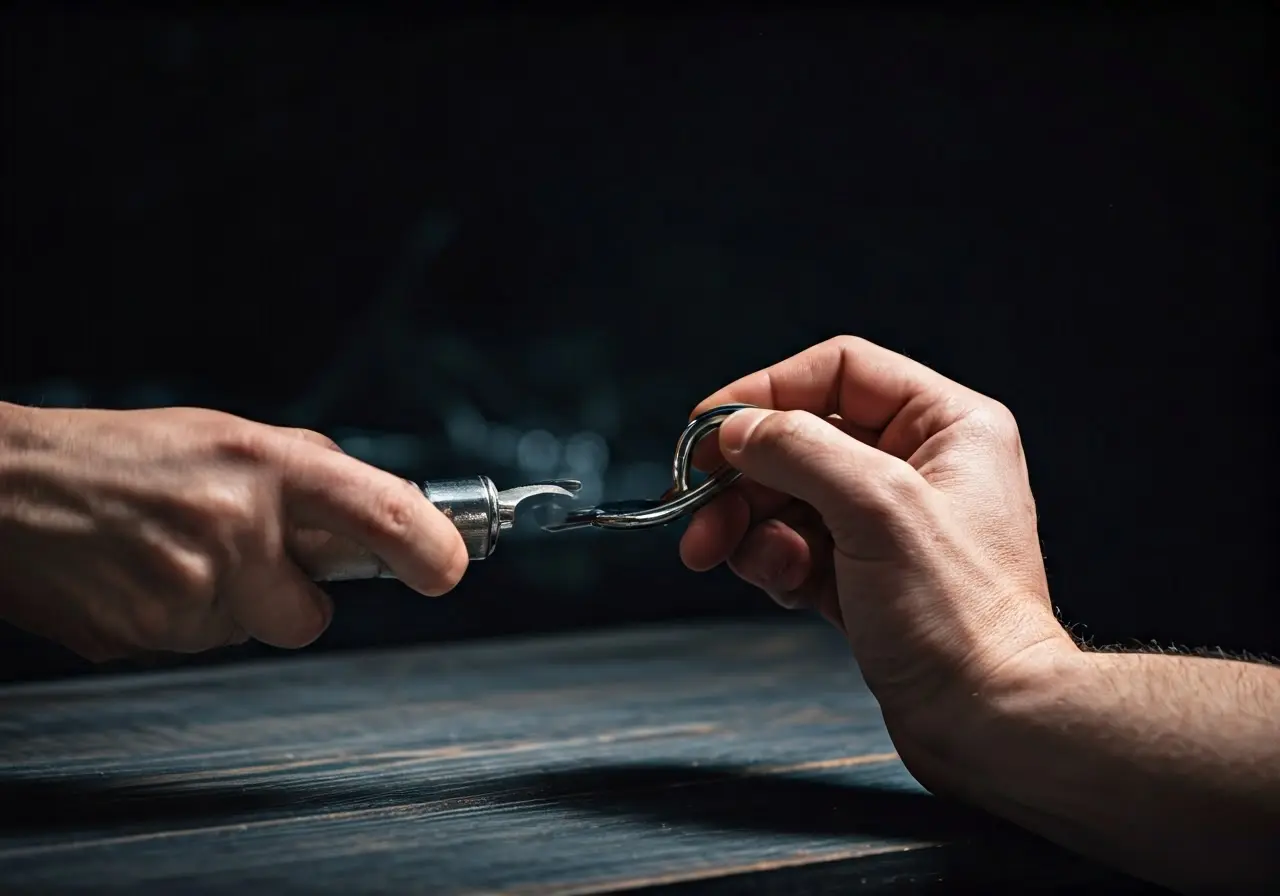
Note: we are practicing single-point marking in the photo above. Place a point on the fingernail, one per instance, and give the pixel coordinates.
(736, 431)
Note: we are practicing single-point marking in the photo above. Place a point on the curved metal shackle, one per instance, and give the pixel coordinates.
(680, 500)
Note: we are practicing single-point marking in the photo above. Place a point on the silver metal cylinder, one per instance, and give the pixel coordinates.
(472, 505)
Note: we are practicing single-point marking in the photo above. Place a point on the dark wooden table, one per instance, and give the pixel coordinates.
(744, 757)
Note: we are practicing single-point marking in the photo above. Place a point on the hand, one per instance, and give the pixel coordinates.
(894, 502)
(181, 529)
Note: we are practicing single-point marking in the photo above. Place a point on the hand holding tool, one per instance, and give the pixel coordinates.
(482, 513)
(678, 501)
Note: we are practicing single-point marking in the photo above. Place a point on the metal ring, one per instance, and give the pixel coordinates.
(681, 500)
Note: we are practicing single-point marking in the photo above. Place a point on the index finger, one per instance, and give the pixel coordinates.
(389, 516)
(865, 385)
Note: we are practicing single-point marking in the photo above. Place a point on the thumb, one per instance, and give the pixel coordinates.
(865, 496)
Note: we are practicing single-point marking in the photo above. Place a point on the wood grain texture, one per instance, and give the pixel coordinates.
(726, 757)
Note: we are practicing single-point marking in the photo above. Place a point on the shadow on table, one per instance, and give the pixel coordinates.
(719, 797)
(724, 798)
(974, 849)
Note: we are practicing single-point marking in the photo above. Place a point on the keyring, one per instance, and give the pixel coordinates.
(679, 501)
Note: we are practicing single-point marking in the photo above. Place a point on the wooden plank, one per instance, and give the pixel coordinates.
(579, 764)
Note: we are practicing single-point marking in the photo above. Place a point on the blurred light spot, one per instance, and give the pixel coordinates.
(592, 491)
(61, 394)
(603, 413)
(467, 430)
(586, 452)
(361, 447)
(537, 452)
(398, 452)
(501, 444)
(401, 452)
(642, 480)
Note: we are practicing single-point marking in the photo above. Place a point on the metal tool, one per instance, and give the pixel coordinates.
(482, 513)
(475, 506)
(680, 500)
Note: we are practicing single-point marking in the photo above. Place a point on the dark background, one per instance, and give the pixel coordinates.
(523, 245)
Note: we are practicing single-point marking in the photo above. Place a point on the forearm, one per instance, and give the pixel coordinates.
(1166, 767)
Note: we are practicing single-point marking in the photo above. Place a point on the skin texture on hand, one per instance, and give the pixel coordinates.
(183, 529)
(896, 503)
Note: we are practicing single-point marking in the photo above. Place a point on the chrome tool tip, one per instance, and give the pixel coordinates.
(509, 499)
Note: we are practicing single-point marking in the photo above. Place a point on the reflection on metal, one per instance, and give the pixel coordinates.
(481, 512)
(473, 504)
(679, 501)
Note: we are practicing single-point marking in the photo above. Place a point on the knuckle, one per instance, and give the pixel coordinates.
(395, 512)
(226, 526)
(848, 343)
(227, 504)
(785, 426)
(151, 624)
(316, 438)
(241, 441)
(900, 486)
(994, 422)
(230, 522)
(195, 574)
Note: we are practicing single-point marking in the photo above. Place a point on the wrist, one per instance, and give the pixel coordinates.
(962, 742)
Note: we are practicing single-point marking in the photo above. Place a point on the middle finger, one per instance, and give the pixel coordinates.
(788, 556)
(715, 531)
